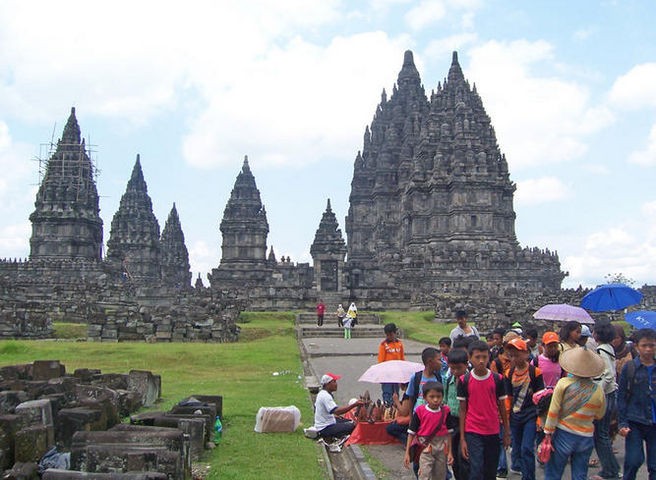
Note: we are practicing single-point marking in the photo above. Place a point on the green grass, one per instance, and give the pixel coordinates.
(70, 331)
(419, 326)
(241, 372)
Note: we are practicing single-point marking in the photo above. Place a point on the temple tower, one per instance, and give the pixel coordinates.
(176, 271)
(431, 205)
(66, 221)
(328, 251)
(244, 229)
(134, 238)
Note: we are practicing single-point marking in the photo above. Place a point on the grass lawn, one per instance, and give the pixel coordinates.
(418, 326)
(241, 372)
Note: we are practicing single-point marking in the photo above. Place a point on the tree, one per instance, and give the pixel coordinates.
(618, 278)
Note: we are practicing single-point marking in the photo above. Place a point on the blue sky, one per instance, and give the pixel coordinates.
(194, 86)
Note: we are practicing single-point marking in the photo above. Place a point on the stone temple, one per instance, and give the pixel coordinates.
(430, 225)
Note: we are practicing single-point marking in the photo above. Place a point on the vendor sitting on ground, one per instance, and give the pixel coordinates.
(326, 412)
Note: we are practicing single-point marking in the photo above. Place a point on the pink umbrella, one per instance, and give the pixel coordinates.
(392, 371)
(562, 312)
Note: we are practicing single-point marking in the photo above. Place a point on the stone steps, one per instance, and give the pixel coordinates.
(360, 331)
(330, 318)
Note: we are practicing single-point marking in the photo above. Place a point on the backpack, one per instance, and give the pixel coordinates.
(415, 384)
(465, 381)
(630, 374)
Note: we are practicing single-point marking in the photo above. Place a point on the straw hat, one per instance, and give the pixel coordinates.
(582, 362)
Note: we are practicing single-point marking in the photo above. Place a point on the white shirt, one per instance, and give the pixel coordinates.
(323, 408)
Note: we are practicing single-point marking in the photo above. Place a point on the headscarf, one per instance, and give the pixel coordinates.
(353, 310)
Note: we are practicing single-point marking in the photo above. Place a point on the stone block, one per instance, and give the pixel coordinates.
(9, 425)
(47, 369)
(149, 386)
(31, 443)
(115, 381)
(10, 399)
(128, 402)
(16, 372)
(55, 474)
(217, 400)
(38, 412)
(86, 375)
(71, 420)
(22, 471)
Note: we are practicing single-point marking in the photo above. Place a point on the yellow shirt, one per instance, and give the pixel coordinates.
(567, 393)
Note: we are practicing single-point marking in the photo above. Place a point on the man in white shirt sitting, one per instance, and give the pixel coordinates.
(326, 412)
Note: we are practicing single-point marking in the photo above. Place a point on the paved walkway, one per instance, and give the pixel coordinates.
(350, 358)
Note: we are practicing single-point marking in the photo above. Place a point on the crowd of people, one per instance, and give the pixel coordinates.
(554, 398)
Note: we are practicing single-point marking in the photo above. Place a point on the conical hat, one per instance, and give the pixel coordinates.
(582, 362)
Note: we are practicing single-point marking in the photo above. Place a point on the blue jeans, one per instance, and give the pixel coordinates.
(388, 390)
(602, 442)
(502, 466)
(635, 455)
(568, 445)
(483, 455)
(523, 447)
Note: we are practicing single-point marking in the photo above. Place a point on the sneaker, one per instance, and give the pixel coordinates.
(516, 472)
(334, 448)
(502, 473)
(342, 440)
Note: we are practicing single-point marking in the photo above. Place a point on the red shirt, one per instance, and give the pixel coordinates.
(481, 395)
(321, 308)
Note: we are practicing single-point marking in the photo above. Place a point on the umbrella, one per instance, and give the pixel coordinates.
(561, 312)
(641, 319)
(392, 371)
(612, 296)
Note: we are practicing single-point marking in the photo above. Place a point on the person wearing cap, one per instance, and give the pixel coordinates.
(547, 361)
(586, 339)
(463, 330)
(326, 411)
(522, 382)
(576, 402)
(391, 348)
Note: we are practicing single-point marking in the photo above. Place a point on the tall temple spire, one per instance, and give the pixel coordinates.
(176, 271)
(134, 238)
(328, 251)
(455, 72)
(66, 221)
(408, 76)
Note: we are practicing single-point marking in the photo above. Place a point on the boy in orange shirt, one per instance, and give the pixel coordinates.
(390, 349)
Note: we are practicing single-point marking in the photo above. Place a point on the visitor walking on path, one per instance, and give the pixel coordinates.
(347, 323)
(604, 333)
(340, 316)
(391, 348)
(321, 310)
(481, 394)
(637, 406)
(428, 431)
(576, 402)
(353, 313)
(463, 329)
(524, 379)
(458, 361)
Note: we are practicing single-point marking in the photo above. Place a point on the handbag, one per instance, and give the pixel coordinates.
(544, 449)
(419, 447)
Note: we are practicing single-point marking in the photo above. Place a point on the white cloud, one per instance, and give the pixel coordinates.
(636, 89)
(629, 249)
(265, 113)
(14, 240)
(424, 14)
(540, 190)
(596, 168)
(584, 33)
(539, 119)
(202, 259)
(647, 156)
(443, 47)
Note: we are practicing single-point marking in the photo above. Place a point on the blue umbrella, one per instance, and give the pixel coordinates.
(641, 319)
(612, 296)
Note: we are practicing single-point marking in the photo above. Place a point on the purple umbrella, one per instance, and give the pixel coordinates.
(561, 312)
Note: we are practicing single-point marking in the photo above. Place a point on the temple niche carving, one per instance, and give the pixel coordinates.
(430, 224)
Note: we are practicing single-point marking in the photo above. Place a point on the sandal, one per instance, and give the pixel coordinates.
(593, 463)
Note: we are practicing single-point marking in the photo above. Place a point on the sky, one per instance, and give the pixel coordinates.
(195, 86)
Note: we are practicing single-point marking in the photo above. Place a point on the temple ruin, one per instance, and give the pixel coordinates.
(430, 225)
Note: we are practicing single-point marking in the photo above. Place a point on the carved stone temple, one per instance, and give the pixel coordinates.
(430, 225)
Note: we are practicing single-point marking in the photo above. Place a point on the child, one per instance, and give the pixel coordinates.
(532, 343)
(522, 382)
(347, 323)
(390, 349)
(445, 346)
(481, 394)
(636, 405)
(428, 425)
(458, 362)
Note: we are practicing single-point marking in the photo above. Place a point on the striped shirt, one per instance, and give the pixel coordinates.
(568, 394)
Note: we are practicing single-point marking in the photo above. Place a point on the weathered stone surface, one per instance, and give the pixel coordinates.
(176, 271)
(32, 442)
(71, 420)
(10, 399)
(23, 471)
(146, 384)
(55, 474)
(9, 425)
(47, 369)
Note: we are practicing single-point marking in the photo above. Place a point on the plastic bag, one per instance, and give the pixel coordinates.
(277, 419)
